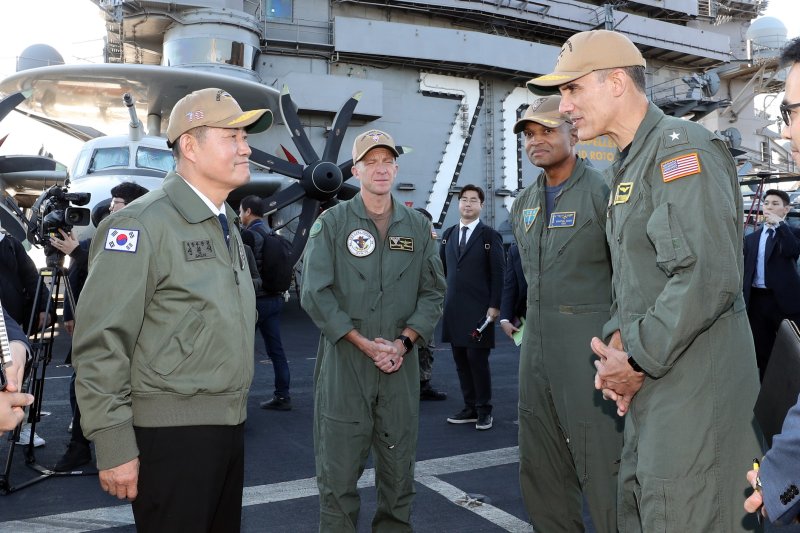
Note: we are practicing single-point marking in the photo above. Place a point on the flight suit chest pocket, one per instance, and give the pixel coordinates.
(571, 236)
(672, 248)
(627, 211)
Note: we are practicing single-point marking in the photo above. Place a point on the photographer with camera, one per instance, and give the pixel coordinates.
(78, 452)
(16, 348)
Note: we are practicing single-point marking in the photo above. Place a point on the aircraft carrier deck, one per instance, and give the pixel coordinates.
(280, 490)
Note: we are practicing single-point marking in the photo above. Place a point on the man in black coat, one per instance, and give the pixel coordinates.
(474, 261)
(513, 307)
(771, 282)
(18, 279)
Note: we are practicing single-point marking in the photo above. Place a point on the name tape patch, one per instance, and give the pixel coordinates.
(680, 167)
(194, 250)
(562, 220)
(405, 244)
(122, 240)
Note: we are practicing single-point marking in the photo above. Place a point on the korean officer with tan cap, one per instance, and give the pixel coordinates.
(165, 360)
(373, 284)
(569, 442)
(678, 355)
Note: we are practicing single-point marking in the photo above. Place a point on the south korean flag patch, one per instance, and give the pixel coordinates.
(122, 240)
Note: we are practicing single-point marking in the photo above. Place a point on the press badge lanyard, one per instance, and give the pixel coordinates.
(5, 350)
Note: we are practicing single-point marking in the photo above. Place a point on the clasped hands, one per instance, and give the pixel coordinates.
(615, 377)
(387, 355)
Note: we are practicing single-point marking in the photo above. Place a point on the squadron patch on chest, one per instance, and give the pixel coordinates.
(122, 240)
(623, 192)
(565, 219)
(680, 167)
(529, 217)
(405, 244)
(360, 243)
(194, 250)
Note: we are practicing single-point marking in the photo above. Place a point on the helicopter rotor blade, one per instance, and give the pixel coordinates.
(296, 130)
(307, 216)
(282, 198)
(339, 128)
(10, 102)
(276, 164)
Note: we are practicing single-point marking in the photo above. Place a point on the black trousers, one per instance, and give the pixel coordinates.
(190, 479)
(765, 319)
(472, 365)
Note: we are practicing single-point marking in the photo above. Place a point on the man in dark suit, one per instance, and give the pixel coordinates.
(515, 294)
(771, 281)
(473, 259)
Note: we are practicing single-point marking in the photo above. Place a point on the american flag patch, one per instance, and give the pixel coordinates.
(122, 240)
(680, 167)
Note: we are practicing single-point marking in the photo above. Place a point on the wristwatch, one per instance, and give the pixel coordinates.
(634, 364)
(406, 342)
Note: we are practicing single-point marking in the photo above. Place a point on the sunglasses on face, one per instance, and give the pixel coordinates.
(786, 112)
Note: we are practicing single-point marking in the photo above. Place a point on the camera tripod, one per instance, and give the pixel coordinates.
(52, 280)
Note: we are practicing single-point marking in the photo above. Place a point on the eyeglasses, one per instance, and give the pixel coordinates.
(116, 204)
(786, 112)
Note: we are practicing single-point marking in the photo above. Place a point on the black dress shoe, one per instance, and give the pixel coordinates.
(465, 416)
(429, 393)
(278, 404)
(77, 454)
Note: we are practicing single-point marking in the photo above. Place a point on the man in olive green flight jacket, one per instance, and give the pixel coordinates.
(569, 442)
(679, 360)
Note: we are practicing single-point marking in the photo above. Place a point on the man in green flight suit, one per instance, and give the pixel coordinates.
(569, 445)
(373, 284)
(679, 357)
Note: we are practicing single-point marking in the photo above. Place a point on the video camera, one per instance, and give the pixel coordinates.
(52, 211)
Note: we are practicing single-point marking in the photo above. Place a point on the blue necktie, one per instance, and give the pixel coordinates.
(224, 221)
(463, 243)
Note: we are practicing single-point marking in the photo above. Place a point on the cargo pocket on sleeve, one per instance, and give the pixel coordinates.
(672, 249)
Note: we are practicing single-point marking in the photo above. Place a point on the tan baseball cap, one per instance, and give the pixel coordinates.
(372, 139)
(543, 111)
(215, 108)
(586, 52)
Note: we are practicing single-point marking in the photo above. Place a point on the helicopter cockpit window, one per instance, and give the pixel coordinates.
(109, 157)
(155, 159)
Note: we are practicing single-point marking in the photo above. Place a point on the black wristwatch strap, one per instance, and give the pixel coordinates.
(634, 364)
(406, 342)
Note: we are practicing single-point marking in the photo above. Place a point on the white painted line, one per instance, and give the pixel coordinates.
(491, 513)
(88, 520)
(121, 515)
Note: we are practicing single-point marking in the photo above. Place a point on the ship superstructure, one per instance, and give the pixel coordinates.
(446, 77)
